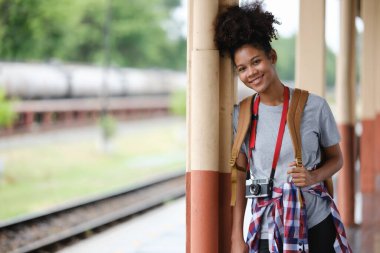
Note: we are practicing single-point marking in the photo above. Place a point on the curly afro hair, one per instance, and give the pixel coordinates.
(248, 24)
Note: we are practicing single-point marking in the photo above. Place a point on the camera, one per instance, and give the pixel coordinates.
(258, 188)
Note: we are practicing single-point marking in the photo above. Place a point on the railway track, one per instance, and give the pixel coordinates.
(39, 232)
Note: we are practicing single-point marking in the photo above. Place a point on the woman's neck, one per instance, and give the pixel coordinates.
(273, 95)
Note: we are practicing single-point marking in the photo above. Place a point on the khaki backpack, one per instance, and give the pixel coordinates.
(294, 117)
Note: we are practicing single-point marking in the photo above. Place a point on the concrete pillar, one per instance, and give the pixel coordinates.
(93, 115)
(188, 122)
(377, 100)
(29, 120)
(367, 145)
(345, 90)
(310, 48)
(204, 152)
(68, 117)
(82, 116)
(203, 131)
(47, 119)
(227, 96)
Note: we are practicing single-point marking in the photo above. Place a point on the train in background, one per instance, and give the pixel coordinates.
(52, 96)
(30, 81)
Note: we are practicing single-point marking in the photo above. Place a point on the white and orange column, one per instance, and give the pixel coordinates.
(368, 112)
(203, 130)
(310, 47)
(210, 98)
(377, 101)
(188, 123)
(346, 118)
(227, 96)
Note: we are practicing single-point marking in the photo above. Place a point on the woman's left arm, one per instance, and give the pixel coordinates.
(333, 161)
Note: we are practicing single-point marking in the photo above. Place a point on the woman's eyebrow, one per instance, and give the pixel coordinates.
(253, 58)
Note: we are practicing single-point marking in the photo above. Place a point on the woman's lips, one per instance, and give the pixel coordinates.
(257, 80)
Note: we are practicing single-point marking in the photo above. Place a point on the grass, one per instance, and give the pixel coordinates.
(42, 176)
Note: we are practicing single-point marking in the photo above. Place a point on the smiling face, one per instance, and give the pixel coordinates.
(255, 68)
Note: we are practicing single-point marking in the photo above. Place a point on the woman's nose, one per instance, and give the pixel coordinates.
(251, 71)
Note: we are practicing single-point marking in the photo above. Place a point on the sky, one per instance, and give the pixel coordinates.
(287, 13)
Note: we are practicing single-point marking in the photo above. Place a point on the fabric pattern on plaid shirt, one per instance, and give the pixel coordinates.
(287, 225)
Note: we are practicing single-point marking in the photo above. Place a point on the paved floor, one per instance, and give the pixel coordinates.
(164, 230)
(161, 230)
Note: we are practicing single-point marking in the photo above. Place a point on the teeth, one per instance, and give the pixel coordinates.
(256, 80)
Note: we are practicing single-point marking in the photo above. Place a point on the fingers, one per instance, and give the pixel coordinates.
(300, 182)
(298, 175)
(296, 170)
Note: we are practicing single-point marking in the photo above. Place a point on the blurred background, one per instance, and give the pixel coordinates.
(92, 94)
(81, 83)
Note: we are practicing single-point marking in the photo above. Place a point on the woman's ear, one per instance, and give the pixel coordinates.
(273, 56)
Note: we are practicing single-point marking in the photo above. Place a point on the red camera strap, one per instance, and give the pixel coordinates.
(281, 130)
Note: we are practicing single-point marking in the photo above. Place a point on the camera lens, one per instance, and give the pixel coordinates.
(255, 189)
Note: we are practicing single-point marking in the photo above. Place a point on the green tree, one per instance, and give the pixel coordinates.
(72, 30)
(7, 115)
(330, 67)
(285, 48)
(36, 30)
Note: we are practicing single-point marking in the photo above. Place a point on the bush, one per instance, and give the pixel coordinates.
(178, 102)
(108, 126)
(7, 115)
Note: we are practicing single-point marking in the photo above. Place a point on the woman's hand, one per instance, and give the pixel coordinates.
(239, 246)
(332, 162)
(301, 177)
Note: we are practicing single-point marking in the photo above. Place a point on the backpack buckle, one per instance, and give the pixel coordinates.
(299, 162)
(233, 158)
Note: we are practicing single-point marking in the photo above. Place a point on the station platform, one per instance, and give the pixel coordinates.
(164, 230)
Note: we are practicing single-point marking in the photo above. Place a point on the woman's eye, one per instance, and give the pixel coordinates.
(241, 70)
(256, 62)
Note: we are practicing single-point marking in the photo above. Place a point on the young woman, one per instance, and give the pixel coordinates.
(278, 221)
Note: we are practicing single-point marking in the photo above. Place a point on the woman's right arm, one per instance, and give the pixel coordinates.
(238, 244)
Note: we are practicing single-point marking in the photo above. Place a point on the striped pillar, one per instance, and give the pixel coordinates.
(377, 94)
(227, 95)
(367, 143)
(203, 130)
(310, 48)
(209, 116)
(345, 87)
(188, 123)
(226, 98)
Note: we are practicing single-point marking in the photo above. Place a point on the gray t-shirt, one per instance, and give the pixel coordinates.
(318, 129)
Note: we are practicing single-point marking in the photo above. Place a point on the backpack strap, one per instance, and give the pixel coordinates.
(294, 118)
(297, 106)
(243, 124)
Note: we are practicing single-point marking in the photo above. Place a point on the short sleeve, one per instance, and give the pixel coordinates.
(329, 134)
(235, 119)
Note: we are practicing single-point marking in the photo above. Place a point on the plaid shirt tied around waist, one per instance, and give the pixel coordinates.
(287, 224)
